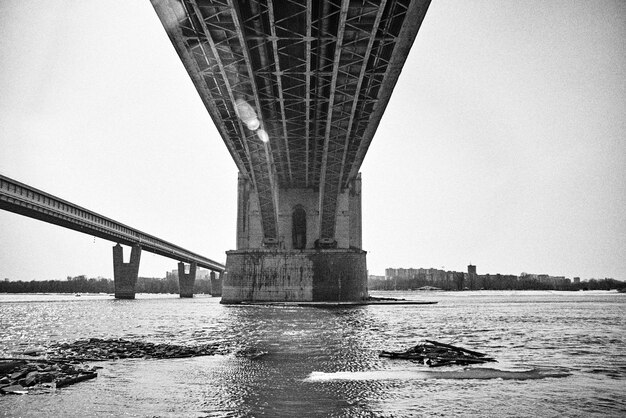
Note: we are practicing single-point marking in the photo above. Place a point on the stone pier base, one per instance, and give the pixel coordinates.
(186, 281)
(125, 274)
(295, 275)
(216, 284)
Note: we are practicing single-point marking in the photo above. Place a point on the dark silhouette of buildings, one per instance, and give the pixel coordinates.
(416, 278)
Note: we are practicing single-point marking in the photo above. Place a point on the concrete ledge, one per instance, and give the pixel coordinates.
(125, 294)
(340, 304)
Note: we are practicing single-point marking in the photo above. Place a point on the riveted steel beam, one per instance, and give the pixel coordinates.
(328, 189)
(411, 16)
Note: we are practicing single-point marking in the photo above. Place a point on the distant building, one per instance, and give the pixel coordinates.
(472, 278)
(400, 273)
(201, 274)
(415, 278)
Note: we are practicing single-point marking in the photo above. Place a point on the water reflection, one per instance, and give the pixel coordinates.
(299, 341)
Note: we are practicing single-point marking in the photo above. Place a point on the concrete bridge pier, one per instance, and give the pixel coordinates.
(216, 284)
(125, 274)
(303, 265)
(186, 280)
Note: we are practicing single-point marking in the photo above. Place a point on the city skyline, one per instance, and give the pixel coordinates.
(502, 144)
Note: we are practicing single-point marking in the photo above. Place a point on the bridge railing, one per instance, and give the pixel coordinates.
(28, 201)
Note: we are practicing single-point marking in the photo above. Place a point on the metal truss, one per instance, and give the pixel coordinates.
(319, 74)
(26, 200)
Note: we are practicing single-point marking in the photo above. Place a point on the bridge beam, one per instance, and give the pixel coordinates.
(125, 274)
(186, 281)
(25, 200)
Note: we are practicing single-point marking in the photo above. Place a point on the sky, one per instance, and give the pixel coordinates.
(503, 145)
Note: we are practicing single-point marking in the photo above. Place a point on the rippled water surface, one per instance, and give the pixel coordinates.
(324, 362)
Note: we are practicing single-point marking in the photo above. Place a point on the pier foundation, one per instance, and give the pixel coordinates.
(216, 284)
(304, 276)
(125, 274)
(186, 281)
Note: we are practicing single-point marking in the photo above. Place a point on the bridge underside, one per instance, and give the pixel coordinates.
(297, 89)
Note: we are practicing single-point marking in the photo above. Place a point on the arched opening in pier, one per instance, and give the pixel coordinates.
(298, 228)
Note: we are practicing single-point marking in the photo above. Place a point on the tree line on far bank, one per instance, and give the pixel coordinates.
(459, 282)
(82, 284)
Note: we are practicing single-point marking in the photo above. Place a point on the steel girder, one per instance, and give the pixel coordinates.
(319, 74)
(28, 201)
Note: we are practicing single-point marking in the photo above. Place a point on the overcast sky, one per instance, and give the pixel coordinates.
(503, 144)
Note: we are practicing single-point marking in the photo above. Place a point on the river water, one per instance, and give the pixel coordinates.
(323, 362)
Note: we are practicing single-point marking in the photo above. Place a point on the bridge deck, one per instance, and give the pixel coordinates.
(314, 77)
(26, 200)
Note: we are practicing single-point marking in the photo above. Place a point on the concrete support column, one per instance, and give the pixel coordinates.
(337, 275)
(125, 274)
(216, 284)
(186, 280)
